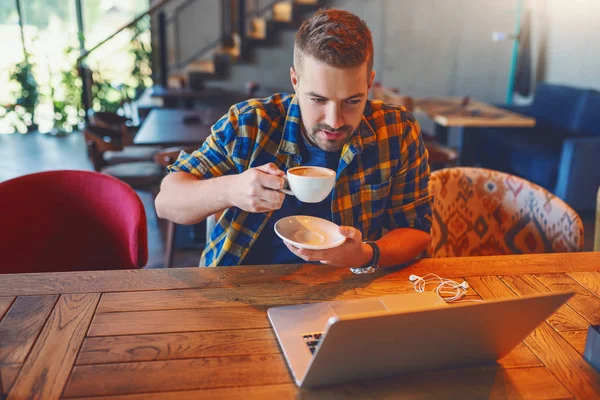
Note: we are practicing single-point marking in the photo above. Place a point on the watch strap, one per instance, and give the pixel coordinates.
(373, 264)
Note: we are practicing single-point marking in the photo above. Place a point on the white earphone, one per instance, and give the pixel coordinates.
(447, 289)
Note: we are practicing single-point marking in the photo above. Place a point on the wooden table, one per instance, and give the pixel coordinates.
(203, 333)
(448, 112)
(186, 97)
(165, 127)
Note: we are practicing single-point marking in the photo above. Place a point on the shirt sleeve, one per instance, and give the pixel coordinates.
(216, 156)
(409, 204)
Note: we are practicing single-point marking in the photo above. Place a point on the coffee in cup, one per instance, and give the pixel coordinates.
(310, 184)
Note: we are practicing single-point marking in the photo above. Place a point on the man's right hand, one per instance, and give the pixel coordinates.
(257, 189)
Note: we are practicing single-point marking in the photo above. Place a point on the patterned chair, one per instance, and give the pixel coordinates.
(597, 235)
(478, 212)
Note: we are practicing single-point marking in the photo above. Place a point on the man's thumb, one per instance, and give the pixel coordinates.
(350, 233)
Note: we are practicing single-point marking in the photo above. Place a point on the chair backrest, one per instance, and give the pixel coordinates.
(168, 156)
(597, 234)
(114, 121)
(558, 105)
(588, 122)
(70, 220)
(99, 140)
(478, 212)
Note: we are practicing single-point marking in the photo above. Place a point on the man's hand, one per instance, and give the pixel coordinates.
(257, 189)
(352, 253)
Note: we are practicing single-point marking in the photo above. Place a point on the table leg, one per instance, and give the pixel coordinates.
(441, 134)
(468, 147)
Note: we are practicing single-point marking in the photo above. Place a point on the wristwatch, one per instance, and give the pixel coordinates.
(372, 266)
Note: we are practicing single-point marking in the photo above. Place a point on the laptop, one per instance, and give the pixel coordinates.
(352, 340)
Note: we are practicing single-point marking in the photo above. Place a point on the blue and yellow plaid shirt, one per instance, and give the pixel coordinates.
(382, 178)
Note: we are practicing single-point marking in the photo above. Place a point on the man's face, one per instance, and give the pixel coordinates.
(332, 101)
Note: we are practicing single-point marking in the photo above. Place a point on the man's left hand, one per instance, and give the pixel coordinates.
(353, 253)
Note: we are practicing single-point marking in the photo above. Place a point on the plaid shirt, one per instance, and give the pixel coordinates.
(382, 178)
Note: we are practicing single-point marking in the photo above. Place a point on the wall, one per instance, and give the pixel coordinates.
(438, 47)
(567, 42)
(425, 48)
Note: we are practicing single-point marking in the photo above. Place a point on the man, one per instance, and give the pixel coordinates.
(376, 149)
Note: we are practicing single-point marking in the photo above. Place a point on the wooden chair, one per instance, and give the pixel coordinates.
(129, 152)
(111, 120)
(164, 159)
(138, 174)
(479, 212)
(597, 234)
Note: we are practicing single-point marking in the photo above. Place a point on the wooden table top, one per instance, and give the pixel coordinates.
(165, 127)
(198, 94)
(448, 111)
(203, 332)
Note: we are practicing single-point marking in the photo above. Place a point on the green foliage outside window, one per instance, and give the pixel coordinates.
(109, 97)
(27, 96)
(65, 93)
(65, 88)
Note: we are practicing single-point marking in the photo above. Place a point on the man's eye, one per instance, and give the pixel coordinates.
(353, 102)
(317, 100)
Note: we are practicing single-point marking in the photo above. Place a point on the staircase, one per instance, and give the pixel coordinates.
(259, 28)
(245, 25)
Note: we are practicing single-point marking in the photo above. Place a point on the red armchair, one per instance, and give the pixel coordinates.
(69, 221)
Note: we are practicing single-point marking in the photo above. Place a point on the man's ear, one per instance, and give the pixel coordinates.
(371, 79)
(294, 78)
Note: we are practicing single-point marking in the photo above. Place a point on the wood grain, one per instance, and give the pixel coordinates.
(446, 111)
(576, 339)
(172, 346)
(481, 382)
(584, 302)
(8, 374)
(249, 295)
(5, 303)
(143, 322)
(187, 278)
(580, 378)
(564, 319)
(155, 376)
(46, 370)
(589, 280)
(276, 392)
(21, 325)
(520, 357)
(557, 355)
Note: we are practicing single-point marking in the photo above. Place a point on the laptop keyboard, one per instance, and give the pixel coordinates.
(312, 340)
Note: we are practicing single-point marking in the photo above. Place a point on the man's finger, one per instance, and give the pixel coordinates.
(271, 169)
(313, 255)
(294, 250)
(273, 182)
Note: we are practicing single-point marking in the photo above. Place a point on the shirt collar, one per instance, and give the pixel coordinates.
(364, 136)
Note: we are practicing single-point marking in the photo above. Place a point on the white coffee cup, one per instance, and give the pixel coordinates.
(310, 184)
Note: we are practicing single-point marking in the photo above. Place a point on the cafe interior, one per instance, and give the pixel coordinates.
(102, 298)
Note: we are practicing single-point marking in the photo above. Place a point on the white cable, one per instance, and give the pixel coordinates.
(447, 289)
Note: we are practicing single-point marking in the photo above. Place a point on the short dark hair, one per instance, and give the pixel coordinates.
(335, 37)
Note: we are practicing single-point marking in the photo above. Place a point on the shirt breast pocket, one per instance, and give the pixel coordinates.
(373, 200)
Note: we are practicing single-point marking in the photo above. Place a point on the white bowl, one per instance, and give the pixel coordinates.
(310, 233)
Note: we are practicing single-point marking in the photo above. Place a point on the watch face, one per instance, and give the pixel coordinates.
(364, 270)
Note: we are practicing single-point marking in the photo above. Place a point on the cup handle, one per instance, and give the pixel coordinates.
(286, 191)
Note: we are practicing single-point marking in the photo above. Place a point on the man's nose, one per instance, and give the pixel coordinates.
(334, 117)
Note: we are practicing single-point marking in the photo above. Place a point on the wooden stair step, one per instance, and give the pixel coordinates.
(206, 66)
(258, 28)
(282, 12)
